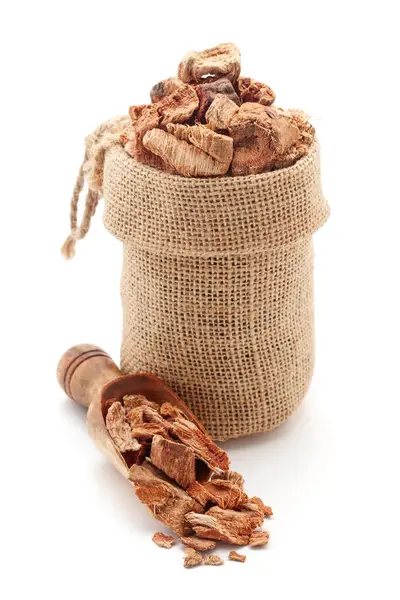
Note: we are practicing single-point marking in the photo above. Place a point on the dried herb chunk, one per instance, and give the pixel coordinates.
(175, 459)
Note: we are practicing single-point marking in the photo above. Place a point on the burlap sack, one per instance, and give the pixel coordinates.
(217, 286)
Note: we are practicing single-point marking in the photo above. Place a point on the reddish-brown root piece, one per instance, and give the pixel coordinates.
(232, 476)
(251, 90)
(201, 444)
(162, 540)
(175, 460)
(198, 544)
(236, 556)
(256, 504)
(225, 525)
(165, 500)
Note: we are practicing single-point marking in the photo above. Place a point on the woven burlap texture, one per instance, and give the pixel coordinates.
(217, 286)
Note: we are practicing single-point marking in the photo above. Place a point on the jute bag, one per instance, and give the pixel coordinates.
(217, 284)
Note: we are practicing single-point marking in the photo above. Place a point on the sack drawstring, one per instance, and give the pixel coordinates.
(91, 170)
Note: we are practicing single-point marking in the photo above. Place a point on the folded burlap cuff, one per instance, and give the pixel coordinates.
(217, 286)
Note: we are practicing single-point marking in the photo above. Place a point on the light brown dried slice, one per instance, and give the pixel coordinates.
(232, 476)
(147, 431)
(236, 556)
(174, 459)
(178, 106)
(162, 540)
(119, 429)
(198, 544)
(166, 501)
(192, 558)
(219, 147)
(135, 400)
(148, 118)
(256, 504)
(134, 416)
(220, 113)
(251, 90)
(201, 444)
(259, 538)
(153, 416)
(208, 91)
(214, 560)
(133, 145)
(225, 525)
(184, 158)
(168, 410)
(221, 61)
(165, 88)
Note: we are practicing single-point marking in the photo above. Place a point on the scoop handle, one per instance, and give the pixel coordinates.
(83, 370)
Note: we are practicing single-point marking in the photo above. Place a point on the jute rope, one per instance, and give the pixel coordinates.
(91, 171)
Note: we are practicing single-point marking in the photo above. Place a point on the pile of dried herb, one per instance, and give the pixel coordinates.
(184, 478)
(210, 121)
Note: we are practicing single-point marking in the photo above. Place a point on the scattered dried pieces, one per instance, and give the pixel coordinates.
(175, 460)
(229, 526)
(137, 400)
(165, 500)
(185, 158)
(221, 61)
(192, 558)
(259, 538)
(162, 540)
(255, 91)
(202, 445)
(220, 113)
(233, 555)
(164, 88)
(213, 559)
(119, 429)
(256, 504)
(207, 92)
(166, 456)
(198, 544)
(232, 476)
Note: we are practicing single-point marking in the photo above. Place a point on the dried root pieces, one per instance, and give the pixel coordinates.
(221, 61)
(198, 544)
(186, 158)
(182, 476)
(214, 560)
(192, 558)
(176, 133)
(236, 556)
(162, 540)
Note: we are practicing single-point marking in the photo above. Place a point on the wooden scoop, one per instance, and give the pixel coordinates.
(90, 377)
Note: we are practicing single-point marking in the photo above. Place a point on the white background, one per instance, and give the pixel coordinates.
(71, 526)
